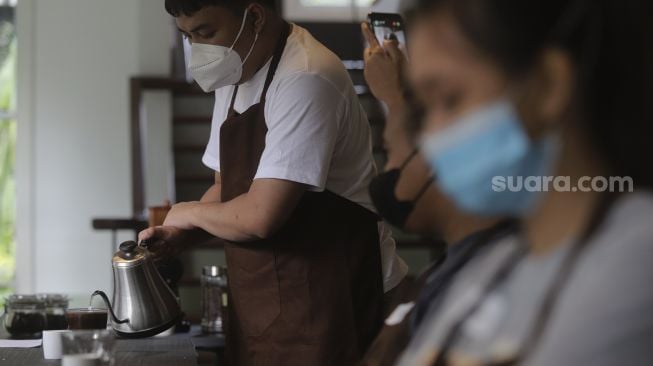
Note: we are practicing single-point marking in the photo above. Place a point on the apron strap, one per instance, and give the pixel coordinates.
(276, 57)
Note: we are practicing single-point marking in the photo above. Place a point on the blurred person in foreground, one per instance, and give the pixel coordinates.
(556, 95)
(404, 194)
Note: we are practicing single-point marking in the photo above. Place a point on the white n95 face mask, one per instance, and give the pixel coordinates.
(214, 66)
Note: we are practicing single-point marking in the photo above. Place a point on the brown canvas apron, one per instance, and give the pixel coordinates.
(312, 293)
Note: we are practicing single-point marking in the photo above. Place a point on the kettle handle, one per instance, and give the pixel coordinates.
(104, 297)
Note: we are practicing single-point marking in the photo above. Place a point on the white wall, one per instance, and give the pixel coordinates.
(75, 60)
(156, 140)
(298, 10)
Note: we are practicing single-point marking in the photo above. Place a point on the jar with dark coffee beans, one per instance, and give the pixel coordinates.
(25, 315)
(55, 311)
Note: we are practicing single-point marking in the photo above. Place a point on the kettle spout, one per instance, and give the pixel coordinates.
(108, 303)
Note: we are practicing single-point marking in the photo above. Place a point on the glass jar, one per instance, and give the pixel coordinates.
(214, 298)
(25, 315)
(55, 311)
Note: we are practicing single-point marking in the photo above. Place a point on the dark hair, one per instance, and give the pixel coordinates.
(610, 43)
(190, 7)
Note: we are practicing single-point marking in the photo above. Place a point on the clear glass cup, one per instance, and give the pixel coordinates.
(87, 347)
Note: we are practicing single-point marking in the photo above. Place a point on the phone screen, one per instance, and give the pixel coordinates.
(388, 26)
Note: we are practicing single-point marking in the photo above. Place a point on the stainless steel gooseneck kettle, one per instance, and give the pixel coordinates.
(143, 304)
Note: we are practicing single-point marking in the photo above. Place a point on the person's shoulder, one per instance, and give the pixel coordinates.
(621, 248)
(305, 58)
(631, 206)
(608, 296)
(628, 224)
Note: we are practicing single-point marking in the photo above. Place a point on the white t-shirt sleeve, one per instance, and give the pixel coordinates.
(303, 113)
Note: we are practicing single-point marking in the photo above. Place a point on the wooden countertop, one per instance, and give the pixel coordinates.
(175, 350)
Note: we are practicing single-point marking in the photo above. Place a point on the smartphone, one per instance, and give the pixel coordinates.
(387, 26)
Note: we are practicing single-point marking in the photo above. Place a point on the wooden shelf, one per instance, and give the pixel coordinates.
(401, 244)
(195, 179)
(177, 86)
(189, 148)
(433, 246)
(191, 120)
(119, 224)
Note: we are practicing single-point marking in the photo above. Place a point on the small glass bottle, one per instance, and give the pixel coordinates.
(25, 315)
(214, 294)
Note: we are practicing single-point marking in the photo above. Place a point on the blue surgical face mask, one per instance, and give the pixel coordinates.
(481, 158)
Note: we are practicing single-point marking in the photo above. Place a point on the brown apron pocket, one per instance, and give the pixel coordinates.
(255, 288)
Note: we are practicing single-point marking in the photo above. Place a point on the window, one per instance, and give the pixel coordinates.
(336, 3)
(7, 143)
(326, 10)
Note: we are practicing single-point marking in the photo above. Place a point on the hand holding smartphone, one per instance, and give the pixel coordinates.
(384, 61)
(388, 26)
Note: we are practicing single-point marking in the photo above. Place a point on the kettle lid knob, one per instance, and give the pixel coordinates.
(128, 253)
(128, 247)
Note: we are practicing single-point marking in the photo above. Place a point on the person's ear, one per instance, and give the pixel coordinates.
(257, 15)
(551, 91)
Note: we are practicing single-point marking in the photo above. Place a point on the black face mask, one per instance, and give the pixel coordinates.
(382, 192)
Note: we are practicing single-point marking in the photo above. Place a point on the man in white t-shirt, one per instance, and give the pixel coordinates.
(291, 148)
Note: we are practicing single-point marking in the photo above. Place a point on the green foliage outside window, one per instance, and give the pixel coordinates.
(7, 159)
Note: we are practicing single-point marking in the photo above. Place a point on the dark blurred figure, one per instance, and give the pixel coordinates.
(405, 195)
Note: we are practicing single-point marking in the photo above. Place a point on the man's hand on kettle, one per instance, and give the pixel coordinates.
(168, 239)
(163, 241)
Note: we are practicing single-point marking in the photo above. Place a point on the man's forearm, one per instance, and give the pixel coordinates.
(257, 214)
(230, 220)
(213, 194)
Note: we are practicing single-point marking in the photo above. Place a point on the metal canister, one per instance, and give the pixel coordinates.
(214, 298)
